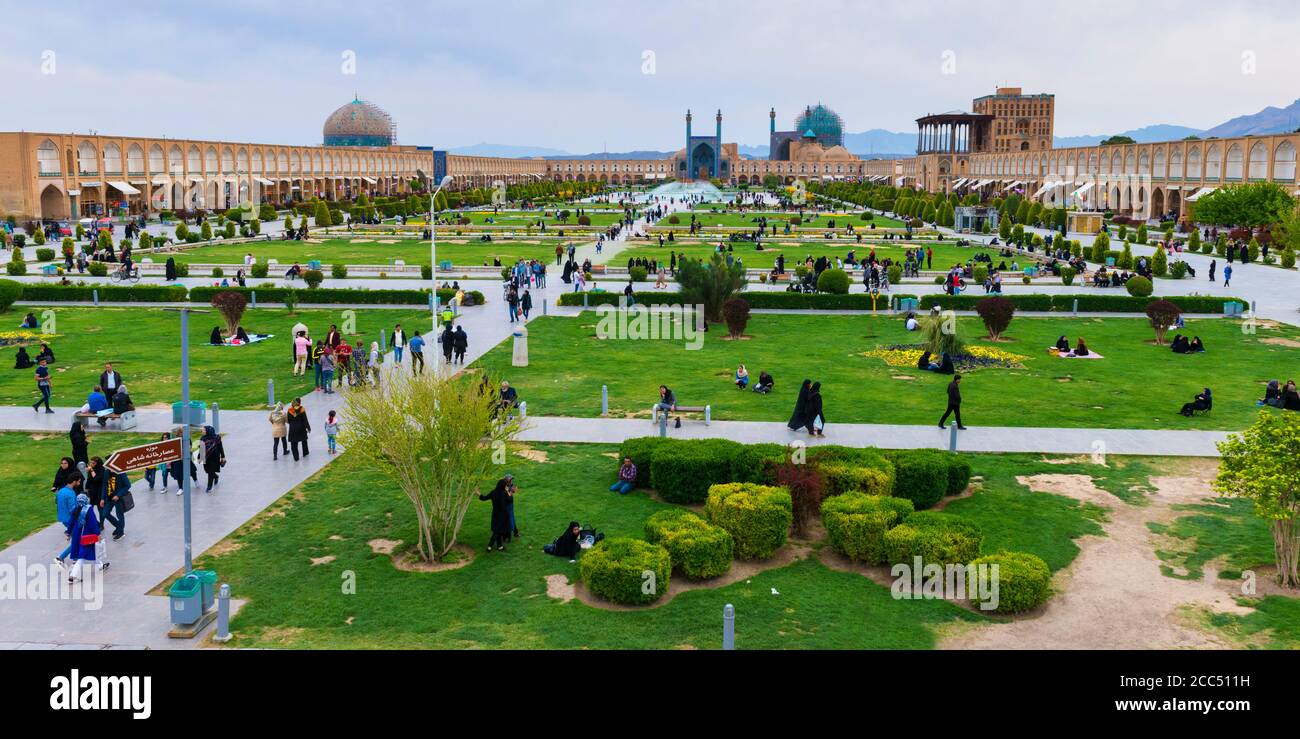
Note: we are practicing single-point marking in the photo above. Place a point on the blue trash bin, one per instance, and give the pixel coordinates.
(197, 413)
(207, 587)
(186, 596)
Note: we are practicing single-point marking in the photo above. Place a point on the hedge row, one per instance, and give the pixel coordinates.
(856, 524)
(1024, 580)
(330, 295)
(699, 550)
(39, 292)
(757, 300)
(758, 517)
(937, 538)
(925, 476)
(682, 470)
(1088, 302)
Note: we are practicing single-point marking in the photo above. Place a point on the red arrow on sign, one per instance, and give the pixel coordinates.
(145, 455)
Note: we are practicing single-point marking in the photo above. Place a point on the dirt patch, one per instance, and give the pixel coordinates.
(903, 377)
(559, 588)
(532, 455)
(879, 574)
(1079, 459)
(408, 561)
(1277, 341)
(611, 455)
(336, 537)
(383, 546)
(1114, 595)
(742, 337)
(323, 560)
(41, 437)
(740, 570)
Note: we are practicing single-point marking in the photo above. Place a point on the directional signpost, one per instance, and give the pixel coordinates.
(145, 455)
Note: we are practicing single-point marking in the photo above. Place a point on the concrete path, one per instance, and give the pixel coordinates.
(888, 436)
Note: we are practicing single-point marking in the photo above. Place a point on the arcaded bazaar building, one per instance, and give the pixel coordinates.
(62, 175)
(1004, 145)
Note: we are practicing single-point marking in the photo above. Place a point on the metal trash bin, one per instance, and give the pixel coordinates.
(198, 413)
(208, 583)
(186, 600)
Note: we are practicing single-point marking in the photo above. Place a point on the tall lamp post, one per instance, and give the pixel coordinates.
(433, 247)
(187, 460)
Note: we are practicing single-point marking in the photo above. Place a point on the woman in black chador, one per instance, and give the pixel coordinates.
(798, 418)
(500, 497)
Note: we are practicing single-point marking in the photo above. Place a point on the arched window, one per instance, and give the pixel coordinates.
(87, 158)
(156, 162)
(1234, 162)
(194, 160)
(1160, 172)
(1194, 163)
(227, 160)
(241, 160)
(112, 159)
(1259, 161)
(295, 162)
(1176, 165)
(1130, 163)
(135, 160)
(257, 160)
(47, 158)
(1284, 162)
(1213, 164)
(210, 162)
(1144, 163)
(283, 159)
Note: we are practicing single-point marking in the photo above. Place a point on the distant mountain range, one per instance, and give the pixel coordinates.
(878, 143)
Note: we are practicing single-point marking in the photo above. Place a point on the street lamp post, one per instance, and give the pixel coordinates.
(433, 248)
(186, 460)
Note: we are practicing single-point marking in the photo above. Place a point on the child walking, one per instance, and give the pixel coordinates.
(332, 431)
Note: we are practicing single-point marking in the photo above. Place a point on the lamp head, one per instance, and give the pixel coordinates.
(446, 180)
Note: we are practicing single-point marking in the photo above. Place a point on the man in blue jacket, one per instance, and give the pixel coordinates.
(65, 502)
(96, 402)
(114, 508)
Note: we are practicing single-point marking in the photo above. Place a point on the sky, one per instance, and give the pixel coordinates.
(607, 75)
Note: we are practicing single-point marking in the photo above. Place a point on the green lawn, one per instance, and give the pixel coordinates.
(30, 463)
(946, 254)
(1221, 530)
(1136, 385)
(144, 345)
(1274, 624)
(499, 600)
(750, 219)
(599, 217)
(370, 249)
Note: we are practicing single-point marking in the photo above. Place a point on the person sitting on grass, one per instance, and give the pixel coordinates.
(1196, 346)
(1203, 402)
(23, 360)
(1272, 395)
(626, 478)
(742, 377)
(567, 545)
(45, 353)
(911, 324)
(1179, 345)
(30, 322)
(1063, 344)
(1290, 398)
(1081, 348)
(765, 383)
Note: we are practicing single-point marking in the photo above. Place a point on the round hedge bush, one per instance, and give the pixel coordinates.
(834, 281)
(844, 478)
(10, 292)
(1138, 286)
(856, 523)
(638, 274)
(758, 517)
(615, 570)
(937, 538)
(699, 550)
(919, 477)
(1024, 580)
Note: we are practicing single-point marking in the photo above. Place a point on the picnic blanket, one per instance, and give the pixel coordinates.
(252, 339)
(1071, 355)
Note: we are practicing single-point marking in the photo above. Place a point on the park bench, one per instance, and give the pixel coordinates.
(125, 421)
(707, 410)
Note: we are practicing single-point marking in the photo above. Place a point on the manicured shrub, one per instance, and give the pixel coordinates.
(322, 215)
(980, 274)
(842, 479)
(856, 524)
(182, 268)
(895, 274)
(97, 269)
(1067, 275)
(313, 278)
(613, 570)
(937, 538)
(638, 274)
(1160, 262)
(758, 517)
(10, 291)
(1288, 257)
(44, 255)
(218, 272)
(338, 270)
(683, 473)
(1138, 286)
(584, 220)
(640, 450)
(38, 237)
(921, 478)
(807, 488)
(699, 550)
(1024, 580)
(54, 293)
(205, 231)
(1178, 270)
(834, 281)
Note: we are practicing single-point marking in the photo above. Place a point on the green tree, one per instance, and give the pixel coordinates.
(1142, 234)
(1250, 205)
(1159, 263)
(1100, 247)
(1194, 242)
(1262, 464)
(1288, 257)
(1117, 141)
(1125, 260)
(710, 284)
(1221, 245)
(436, 439)
(322, 215)
(1004, 228)
(206, 231)
(1252, 250)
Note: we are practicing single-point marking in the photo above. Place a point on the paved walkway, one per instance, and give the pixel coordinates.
(888, 436)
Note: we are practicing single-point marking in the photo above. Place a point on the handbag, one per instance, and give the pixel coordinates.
(89, 540)
(128, 501)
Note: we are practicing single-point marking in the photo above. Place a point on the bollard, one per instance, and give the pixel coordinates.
(1253, 305)
(216, 417)
(270, 392)
(94, 295)
(223, 614)
(663, 422)
(1076, 307)
(708, 414)
(252, 294)
(523, 410)
(728, 627)
(584, 300)
(543, 306)
(383, 342)
(604, 400)
(952, 438)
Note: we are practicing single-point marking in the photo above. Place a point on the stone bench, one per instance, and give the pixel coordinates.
(125, 421)
(707, 410)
